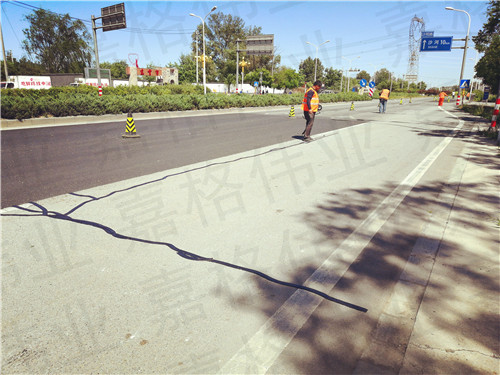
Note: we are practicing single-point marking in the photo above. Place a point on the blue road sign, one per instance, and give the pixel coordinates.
(486, 94)
(440, 43)
(363, 82)
(371, 84)
(427, 34)
(256, 84)
(465, 83)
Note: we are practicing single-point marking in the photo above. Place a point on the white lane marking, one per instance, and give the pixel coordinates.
(264, 347)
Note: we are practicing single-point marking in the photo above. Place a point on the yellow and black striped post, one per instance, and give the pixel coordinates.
(130, 131)
(401, 101)
(410, 99)
(292, 111)
(352, 106)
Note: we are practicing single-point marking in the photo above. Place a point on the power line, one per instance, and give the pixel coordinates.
(128, 29)
(12, 27)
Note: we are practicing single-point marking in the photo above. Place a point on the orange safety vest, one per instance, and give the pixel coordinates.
(442, 95)
(385, 94)
(314, 101)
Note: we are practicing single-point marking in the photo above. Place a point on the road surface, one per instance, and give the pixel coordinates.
(275, 256)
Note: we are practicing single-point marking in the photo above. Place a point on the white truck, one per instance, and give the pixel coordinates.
(29, 82)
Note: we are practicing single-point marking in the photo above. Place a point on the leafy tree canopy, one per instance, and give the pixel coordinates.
(306, 68)
(56, 42)
(221, 35)
(363, 75)
(488, 41)
(287, 78)
(22, 67)
(332, 78)
(382, 77)
(118, 69)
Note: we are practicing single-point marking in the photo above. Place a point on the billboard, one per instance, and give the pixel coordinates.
(113, 17)
(260, 44)
(92, 73)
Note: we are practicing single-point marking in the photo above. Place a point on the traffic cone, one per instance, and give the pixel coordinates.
(292, 112)
(352, 106)
(130, 128)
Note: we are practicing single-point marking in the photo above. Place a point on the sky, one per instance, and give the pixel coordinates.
(366, 35)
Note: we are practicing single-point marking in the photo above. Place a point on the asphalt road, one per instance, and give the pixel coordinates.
(43, 162)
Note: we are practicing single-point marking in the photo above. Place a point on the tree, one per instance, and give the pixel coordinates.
(22, 67)
(332, 78)
(118, 69)
(488, 67)
(187, 69)
(58, 43)
(306, 68)
(363, 75)
(383, 78)
(221, 33)
(488, 41)
(255, 76)
(287, 78)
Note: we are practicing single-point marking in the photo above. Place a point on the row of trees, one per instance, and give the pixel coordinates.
(58, 44)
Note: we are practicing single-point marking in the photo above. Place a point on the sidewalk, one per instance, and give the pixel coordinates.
(457, 326)
(442, 317)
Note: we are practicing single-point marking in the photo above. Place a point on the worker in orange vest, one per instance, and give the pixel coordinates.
(383, 97)
(310, 105)
(442, 94)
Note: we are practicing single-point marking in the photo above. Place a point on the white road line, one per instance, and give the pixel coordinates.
(265, 346)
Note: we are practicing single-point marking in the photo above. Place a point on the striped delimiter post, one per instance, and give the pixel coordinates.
(495, 113)
(458, 100)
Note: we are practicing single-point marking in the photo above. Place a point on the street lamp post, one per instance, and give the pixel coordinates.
(204, 57)
(350, 68)
(316, 59)
(197, 57)
(465, 47)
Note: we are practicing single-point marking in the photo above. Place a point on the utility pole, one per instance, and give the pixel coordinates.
(96, 52)
(197, 57)
(237, 62)
(4, 58)
(465, 48)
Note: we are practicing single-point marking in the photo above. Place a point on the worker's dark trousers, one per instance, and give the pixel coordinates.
(309, 123)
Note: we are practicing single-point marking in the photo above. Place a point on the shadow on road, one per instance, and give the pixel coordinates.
(334, 338)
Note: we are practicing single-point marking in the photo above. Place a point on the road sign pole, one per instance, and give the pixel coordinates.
(465, 47)
(96, 52)
(237, 62)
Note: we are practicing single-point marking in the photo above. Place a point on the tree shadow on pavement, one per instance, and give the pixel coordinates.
(335, 337)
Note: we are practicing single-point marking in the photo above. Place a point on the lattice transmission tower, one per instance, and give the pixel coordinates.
(417, 25)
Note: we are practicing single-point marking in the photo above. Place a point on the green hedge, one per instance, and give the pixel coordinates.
(84, 100)
(479, 110)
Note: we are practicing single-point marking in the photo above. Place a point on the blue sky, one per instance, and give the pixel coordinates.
(376, 31)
